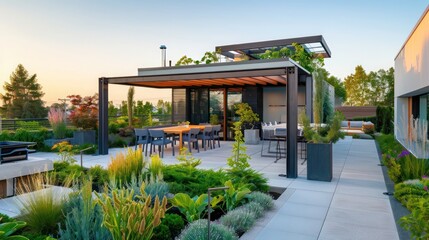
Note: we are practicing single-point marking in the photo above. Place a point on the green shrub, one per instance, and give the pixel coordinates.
(254, 207)
(99, 177)
(170, 228)
(29, 125)
(161, 233)
(234, 196)
(198, 230)
(384, 120)
(192, 181)
(240, 220)
(65, 172)
(113, 127)
(8, 229)
(366, 119)
(265, 200)
(5, 218)
(83, 218)
(407, 192)
(252, 179)
(37, 136)
(393, 168)
(418, 221)
(192, 208)
(117, 141)
(388, 144)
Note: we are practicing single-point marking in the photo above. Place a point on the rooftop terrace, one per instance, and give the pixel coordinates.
(352, 206)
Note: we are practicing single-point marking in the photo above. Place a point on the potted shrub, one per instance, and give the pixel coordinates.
(319, 148)
(248, 119)
(84, 116)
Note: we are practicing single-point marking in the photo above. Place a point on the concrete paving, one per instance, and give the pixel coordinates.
(351, 206)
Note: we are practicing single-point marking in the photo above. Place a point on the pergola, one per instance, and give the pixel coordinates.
(277, 72)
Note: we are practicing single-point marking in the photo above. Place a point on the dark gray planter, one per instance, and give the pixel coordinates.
(251, 136)
(51, 142)
(83, 137)
(319, 161)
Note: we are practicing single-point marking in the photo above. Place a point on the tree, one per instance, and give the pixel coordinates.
(381, 84)
(112, 110)
(84, 113)
(374, 88)
(130, 104)
(209, 57)
(23, 96)
(358, 87)
(147, 114)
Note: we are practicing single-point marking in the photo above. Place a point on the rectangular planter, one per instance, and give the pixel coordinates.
(319, 161)
(251, 136)
(83, 137)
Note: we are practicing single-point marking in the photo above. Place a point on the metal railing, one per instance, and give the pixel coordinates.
(157, 119)
(27, 123)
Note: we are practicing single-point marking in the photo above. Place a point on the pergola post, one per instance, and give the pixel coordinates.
(292, 122)
(103, 117)
(309, 97)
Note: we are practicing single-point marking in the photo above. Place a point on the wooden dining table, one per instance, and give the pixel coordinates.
(179, 130)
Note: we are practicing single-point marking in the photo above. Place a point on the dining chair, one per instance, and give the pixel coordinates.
(216, 131)
(142, 137)
(159, 138)
(207, 137)
(280, 134)
(191, 137)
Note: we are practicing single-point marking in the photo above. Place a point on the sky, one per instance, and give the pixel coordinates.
(70, 44)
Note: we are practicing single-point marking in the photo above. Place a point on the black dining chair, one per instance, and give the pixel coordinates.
(280, 135)
(142, 137)
(216, 131)
(159, 138)
(191, 137)
(206, 137)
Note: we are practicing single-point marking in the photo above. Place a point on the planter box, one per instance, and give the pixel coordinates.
(52, 142)
(251, 136)
(319, 161)
(83, 137)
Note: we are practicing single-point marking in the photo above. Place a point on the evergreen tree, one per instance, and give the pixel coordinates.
(23, 96)
(130, 104)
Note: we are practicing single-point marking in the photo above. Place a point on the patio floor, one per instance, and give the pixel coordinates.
(352, 206)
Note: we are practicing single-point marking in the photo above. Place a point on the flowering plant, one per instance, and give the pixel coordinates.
(65, 152)
(56, 119)
(84, 113)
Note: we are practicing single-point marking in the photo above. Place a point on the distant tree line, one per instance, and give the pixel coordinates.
(370, 89)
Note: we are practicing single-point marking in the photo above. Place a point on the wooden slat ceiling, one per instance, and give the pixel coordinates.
(231, 81)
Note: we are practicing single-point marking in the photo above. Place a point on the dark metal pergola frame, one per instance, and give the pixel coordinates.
(285, 69)
(313, 44)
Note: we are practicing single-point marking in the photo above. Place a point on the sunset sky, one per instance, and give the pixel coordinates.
(70, 44)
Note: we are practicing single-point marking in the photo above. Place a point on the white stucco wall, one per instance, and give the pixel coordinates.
(411, 75)
(412, 62)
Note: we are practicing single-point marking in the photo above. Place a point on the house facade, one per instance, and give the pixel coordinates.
(412, 90)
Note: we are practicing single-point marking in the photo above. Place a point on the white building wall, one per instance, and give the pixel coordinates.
(411, 76)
